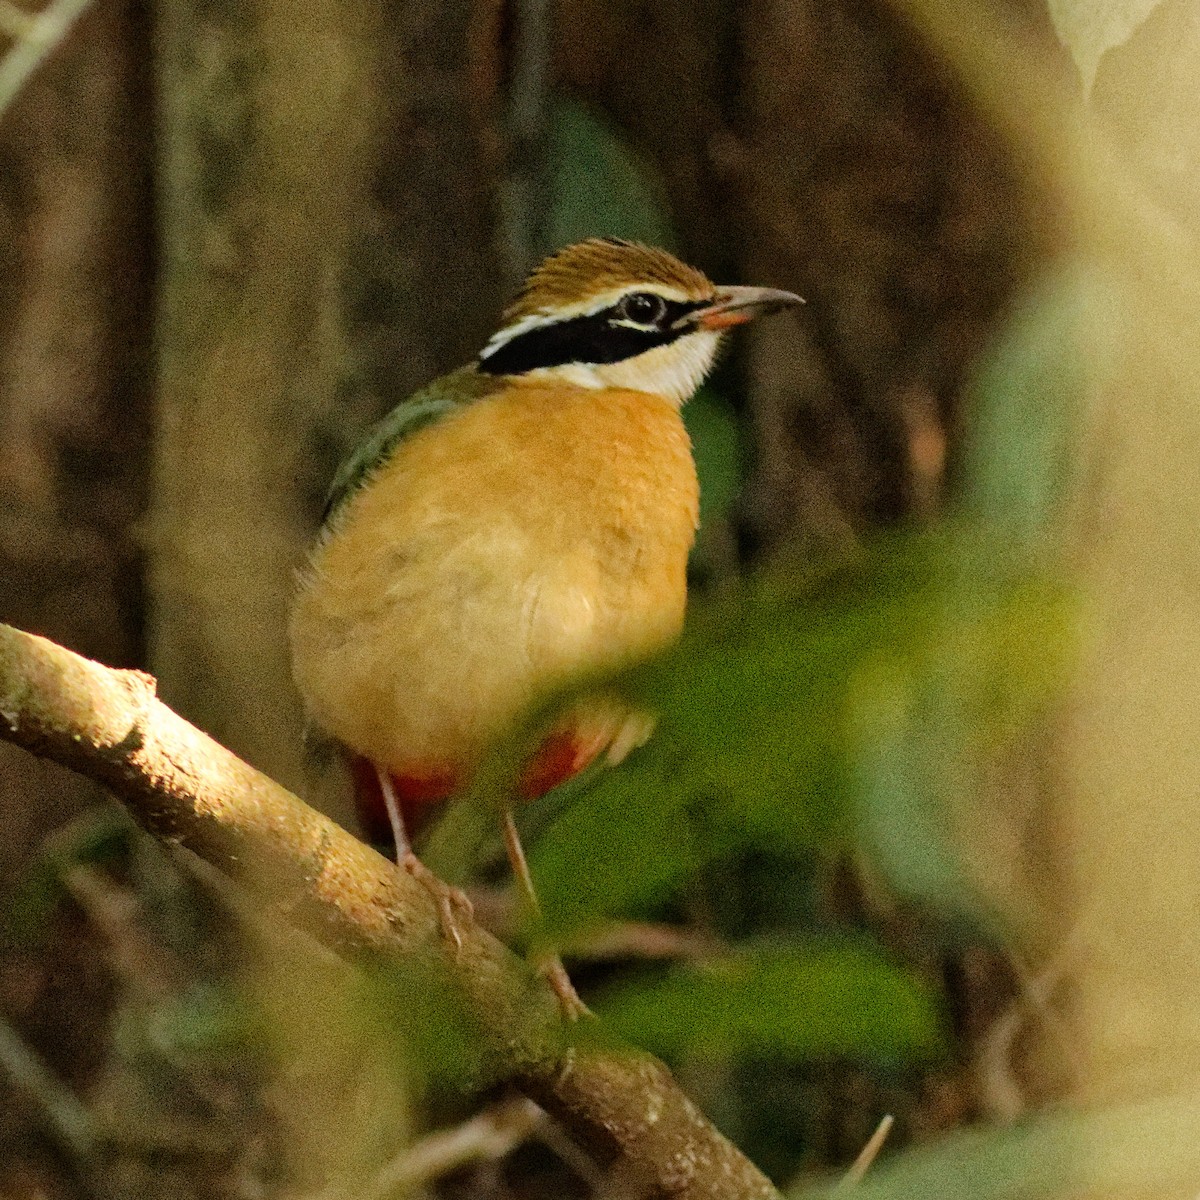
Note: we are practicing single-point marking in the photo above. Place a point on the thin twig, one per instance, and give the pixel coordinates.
(35, 43)
(112, 910)
(491, 1135)
(645, 939)
(66, 1118)
(994, 1061)
(560, 1145)
(868, 1154)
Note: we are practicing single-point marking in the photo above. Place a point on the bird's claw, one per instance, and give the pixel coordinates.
(448, 898)
(572, 1007)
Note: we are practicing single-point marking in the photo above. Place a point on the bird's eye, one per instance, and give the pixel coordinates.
(641, 308)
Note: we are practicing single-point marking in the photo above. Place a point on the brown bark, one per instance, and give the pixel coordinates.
(823, 148)
(74, 330)
(874, 186)
(186, 789)
(75, 280)
(327, 237)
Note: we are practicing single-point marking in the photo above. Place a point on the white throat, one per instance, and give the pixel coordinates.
(674, 371)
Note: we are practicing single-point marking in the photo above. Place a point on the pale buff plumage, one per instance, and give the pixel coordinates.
(538, 531)
(533, 534)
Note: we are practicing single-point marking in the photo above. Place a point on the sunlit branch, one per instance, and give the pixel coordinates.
(185, 788)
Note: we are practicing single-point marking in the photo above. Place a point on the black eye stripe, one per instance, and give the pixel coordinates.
(588, 339)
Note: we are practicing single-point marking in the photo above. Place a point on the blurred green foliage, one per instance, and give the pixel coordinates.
(102, 836)
(1025, 404)
(795, 703)
(928, 740)
(599, 186)
(1136, 1150)
(776, 695)
(810, 707)
(801, 1002)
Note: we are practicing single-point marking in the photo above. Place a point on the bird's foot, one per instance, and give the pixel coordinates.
(552, 969)
(449, 899)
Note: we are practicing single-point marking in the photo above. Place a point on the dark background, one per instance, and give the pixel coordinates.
(232, 234)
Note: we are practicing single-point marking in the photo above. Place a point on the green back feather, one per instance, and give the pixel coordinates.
(433, 402)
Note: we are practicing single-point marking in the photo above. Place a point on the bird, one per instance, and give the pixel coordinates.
(513, 525)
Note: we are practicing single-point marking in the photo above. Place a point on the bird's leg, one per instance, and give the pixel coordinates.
(547, 962)
(448, 897)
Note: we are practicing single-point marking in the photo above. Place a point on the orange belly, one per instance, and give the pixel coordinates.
(533, 536)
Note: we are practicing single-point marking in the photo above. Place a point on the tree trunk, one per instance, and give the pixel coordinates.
(326, 248)
(74, 436)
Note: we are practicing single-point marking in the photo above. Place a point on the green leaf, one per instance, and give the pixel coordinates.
(776, 696)
(802, 1003)
(598, 186)
(717, 449)
(100, 835)
(923, 736)
(1147, 1149)
(209, 1018)
(1025, 404)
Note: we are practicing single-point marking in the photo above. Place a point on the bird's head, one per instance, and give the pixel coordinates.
(610, 313)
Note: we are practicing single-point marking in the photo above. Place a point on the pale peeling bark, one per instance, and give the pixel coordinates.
(187, 789)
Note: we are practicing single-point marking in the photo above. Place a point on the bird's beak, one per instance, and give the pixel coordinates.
(737, 305)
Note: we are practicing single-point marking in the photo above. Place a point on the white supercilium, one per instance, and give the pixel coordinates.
(581, 308)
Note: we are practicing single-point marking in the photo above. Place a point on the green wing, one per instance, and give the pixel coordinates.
(431, 403)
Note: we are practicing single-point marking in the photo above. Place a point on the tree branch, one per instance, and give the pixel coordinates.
(186, 788)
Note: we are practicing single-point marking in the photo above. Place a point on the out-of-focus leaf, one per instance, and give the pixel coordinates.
(1025, 404)
(1090, 28)
(100, 835)
(1137, 1150)
(920, 736)
(904, 759)
(843, 1000)
(209, 1018)
(771, 697)
(437, 1033)
(598, 186)
(923, 738)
